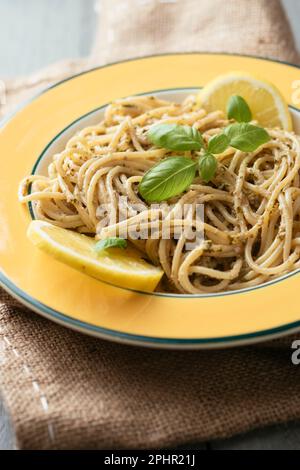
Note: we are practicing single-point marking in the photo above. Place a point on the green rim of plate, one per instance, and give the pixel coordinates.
(115, 335)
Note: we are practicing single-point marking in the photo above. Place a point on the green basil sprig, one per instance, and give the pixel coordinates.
(111, 242)
(168, 178)
(174, 175)
(175, 137)
(246, 137)
(238, 109)
(218, 143)
(207, 166)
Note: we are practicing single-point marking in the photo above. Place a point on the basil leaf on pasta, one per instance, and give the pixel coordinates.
(207, 166)
(112, 242)
(238, 109)
(168, 178)
(246, 137)
(175, 137)
(218, 144)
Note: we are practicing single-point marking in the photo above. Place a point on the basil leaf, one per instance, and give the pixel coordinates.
(238, 109)
(218, 144)
(207, 166)
(175, 137)
(168, 178)
(246, 137)
(112, 242)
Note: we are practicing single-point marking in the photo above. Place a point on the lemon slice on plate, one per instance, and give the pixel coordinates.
(265, 101)
(122, 267)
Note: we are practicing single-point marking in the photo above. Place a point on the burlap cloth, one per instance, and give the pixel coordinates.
(66, 390)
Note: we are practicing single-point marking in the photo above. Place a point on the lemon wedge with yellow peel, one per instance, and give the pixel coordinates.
(267, 104)
(122, 267)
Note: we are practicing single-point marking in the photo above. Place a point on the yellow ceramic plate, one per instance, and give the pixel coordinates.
(77, 301)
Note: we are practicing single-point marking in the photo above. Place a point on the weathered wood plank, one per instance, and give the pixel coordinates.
(283, 437)
(292, 8)
(7, 437)
(35, 33)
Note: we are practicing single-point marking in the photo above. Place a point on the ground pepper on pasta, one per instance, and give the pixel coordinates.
(251, 207)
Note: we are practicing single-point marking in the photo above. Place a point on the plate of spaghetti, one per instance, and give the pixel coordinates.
(156, 201)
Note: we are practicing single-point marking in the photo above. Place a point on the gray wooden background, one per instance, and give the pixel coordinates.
(35, 33)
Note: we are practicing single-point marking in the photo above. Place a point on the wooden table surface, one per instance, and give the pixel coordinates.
(35, 33)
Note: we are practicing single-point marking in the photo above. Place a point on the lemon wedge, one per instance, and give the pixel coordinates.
(265, 101)
(122, 267)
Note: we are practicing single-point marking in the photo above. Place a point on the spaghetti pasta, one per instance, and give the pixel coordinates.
(251, 207)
